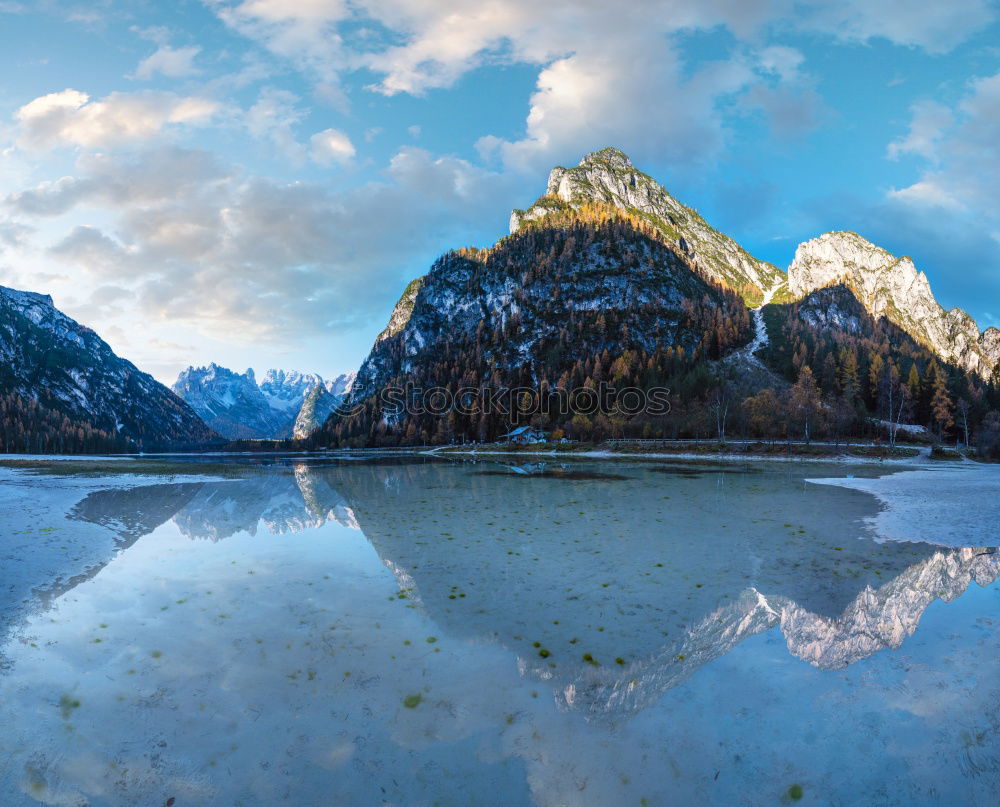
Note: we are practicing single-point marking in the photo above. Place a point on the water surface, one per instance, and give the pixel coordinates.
(415, 632)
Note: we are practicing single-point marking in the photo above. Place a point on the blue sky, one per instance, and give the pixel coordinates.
(253, 182)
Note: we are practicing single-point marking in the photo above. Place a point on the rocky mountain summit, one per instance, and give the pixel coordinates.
(231, 403)
(241, 409)
(892, 287)
(54, 365)
(319, 403)
(608, 176)
(285, 390)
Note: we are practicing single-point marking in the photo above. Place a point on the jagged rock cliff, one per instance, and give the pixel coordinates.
(892, 287)
(279, 503)
(239, 408)
(231, 403)
(608, 177)
(877, 619)
(319, 403)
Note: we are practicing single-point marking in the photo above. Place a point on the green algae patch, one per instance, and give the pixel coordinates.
(67, 705)
(412, 701)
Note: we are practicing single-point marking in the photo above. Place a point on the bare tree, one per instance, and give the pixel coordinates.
(804, 407)
(719, 403)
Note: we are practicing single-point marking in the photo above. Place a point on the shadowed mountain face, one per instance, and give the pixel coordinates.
(611, 602)
(51, 361)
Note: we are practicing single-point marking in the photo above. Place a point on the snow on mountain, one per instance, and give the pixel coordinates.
(320, 402)
(47, 357)
(540, 297)
(342, 384)
(886, 285)
(239, 408)
(285, 391)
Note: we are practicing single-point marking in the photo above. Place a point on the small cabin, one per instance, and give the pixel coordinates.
(523, 435)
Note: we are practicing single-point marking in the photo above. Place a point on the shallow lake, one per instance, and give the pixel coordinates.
(416, 632)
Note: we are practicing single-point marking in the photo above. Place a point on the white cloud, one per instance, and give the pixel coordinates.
(782, 61)
(607, 74)
(69, 117)
(331, 146)
(13, 234)
(926, 194)
(934, 26)
(598, 98)
(959, 145)
(158, 174)
(304, 32)
(928, 125)
(418, 45)
(274, 116)
(169, 62)
(248, 258)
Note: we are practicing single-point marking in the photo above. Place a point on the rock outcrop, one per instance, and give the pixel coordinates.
(608, 177)
(892, 287)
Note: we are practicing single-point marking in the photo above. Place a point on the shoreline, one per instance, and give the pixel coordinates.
(920, 458)
(956, 505)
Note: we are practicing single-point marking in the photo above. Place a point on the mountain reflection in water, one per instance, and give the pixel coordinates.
(628, 584)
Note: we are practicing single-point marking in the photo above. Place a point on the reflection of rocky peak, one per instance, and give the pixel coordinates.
(281, 502)
(877, 619)
(882, 618)
(134, 512)
(321, 500)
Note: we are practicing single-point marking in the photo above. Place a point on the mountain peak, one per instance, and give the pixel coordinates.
(891, 287)
(601, 176)
(90, 386)
(609, 155)
(26, 298)
(608, 177)
(240, 407)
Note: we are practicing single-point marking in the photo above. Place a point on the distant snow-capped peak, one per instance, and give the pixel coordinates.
(241, 408)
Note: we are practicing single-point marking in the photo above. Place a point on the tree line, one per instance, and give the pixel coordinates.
(27, 426)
